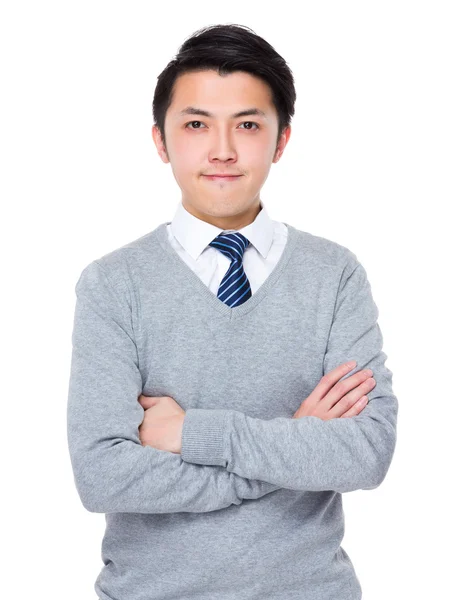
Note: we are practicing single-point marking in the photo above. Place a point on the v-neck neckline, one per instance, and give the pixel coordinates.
(229, 312)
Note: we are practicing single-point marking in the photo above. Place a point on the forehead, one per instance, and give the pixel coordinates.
(221, 96)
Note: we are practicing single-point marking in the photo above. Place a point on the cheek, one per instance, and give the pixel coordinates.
(257, 150)
(256, 160)
(186, 156)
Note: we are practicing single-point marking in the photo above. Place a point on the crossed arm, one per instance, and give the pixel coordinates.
(113, 472)
(226, 456)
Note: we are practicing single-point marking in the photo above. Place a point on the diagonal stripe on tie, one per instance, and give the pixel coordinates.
(235, 288)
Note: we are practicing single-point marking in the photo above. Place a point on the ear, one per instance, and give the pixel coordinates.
(156, 135)
(283, 140)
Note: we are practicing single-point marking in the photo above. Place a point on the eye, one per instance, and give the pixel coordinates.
(187, 125)
(251, 123)
(200, 122)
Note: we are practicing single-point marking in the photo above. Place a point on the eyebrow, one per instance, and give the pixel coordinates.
(191, 110)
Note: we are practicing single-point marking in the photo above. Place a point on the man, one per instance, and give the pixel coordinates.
(211, 414)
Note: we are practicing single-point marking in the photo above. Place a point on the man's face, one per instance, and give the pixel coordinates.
(198, 145)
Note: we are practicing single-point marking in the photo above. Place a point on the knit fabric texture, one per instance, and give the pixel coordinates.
(252, 507)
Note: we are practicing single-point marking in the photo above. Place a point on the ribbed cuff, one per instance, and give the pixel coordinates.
(203, 436)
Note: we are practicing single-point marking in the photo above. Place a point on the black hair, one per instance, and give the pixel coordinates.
(228, 48)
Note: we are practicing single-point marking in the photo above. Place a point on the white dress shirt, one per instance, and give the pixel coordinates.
(190, 237)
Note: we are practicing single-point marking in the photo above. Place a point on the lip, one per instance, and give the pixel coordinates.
(222, 177)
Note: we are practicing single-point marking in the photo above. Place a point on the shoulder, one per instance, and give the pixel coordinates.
(143, 248)
(326, 253)
(120, 268)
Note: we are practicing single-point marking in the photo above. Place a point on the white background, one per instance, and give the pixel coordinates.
(375, 162)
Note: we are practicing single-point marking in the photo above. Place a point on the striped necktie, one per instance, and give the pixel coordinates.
(235, 288)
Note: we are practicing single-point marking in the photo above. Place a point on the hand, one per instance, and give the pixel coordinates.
(162, 423)
(331, 400)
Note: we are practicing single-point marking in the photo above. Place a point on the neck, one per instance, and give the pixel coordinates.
(234, 222)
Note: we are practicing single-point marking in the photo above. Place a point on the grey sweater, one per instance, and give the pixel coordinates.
(252, 507)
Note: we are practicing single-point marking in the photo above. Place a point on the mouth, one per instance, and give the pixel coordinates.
(222, 177)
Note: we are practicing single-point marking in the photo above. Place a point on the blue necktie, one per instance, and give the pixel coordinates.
(235, 288)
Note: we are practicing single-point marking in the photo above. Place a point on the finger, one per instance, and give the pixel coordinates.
(349, 401)
(148, 401)
(356, 408)
(330, 379)
(348, 391)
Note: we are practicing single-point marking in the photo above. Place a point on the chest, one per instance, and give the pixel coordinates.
(264, 363)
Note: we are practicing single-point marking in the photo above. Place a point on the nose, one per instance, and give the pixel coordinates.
(222, 147)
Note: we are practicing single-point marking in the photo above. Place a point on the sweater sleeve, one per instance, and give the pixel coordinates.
(308, 453)
(113, 472)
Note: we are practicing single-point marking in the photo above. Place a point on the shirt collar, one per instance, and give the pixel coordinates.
(194, 235)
